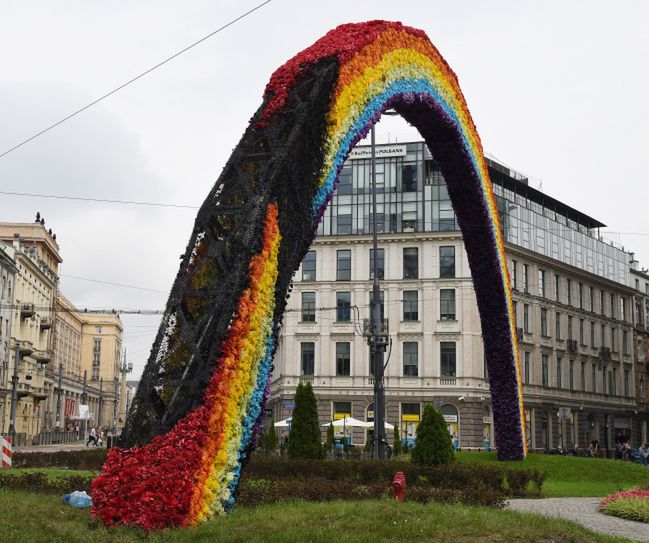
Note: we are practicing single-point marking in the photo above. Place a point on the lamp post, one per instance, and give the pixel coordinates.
(84, 400)
(14, 396)
(58, 398)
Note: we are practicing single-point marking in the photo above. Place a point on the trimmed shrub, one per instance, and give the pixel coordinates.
(271, 439)
(43, 482)
(330, 443)
(85, 459)
(396, 449)
(304, 439)
(433, 445)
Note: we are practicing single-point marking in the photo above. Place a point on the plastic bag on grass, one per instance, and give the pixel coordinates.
(78, 499)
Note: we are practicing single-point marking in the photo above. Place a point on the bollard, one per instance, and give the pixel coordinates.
(6, 450)
(399, 486)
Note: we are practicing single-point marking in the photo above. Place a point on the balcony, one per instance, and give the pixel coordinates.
(605, 353)
(572, 346)
(447, 381)
(27, 311)
(45, 324)
(304, 379)
(39, 393)
(26, 348)
(43, 357)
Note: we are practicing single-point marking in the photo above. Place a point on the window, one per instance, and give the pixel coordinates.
(604, 372)
(345, 181)
(544, 321)
(625, 342)
(343, 265)
(526, 318)
(409, 177)
(569, 290)
(569, 328)
(410, 305)
(559, 372)
(603, 335)
(613, 339)
(308, 267)
(342, 358)
(614, 383)
(96, 347)
(342, 410)
(623, 309)
(526, 283)
(447, 359)
(447, 304)
(558, 325)
(447, 261)
(592, 334)
(344, 219)
(343, 306)
(308, 357)
(410, 263)
(612, 305)
(527, 368)
(601, 301)
(582, 376)
(97, 329)
(514, 277)
(556, 288)
(380, 263)
(571, 375)
(544, 370)
(626, 383)
(542, 283)
(581, 332)
(580, 295)
(411, 358)
(308, 307)
(591, 299)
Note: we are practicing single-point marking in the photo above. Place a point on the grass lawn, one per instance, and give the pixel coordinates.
(46, 519)
(573, 475)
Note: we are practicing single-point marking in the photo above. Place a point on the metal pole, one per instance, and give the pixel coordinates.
(377, 336)
(101, 402)
(14, 397)
(84, 401)
(58, 397)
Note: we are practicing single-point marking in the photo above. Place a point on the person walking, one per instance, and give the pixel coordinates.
(644, 452)
(92, 438)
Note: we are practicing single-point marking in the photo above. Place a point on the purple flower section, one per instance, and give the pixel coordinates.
(472, 211)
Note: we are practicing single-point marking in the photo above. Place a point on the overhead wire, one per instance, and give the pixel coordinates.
(134, 79)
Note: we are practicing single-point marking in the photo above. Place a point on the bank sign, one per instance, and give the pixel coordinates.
(384, 151)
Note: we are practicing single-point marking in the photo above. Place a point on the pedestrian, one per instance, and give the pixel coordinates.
(644, 452)
(76, 429)
(92, 438)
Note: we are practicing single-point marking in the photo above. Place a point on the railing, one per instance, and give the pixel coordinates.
(19, 439)
(55, 436)
(447, 381)
(306, 379)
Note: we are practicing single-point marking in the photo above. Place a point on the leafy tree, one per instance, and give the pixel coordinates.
(304, 439)
(271, 438)
(433, 444)
(369, 443)
(396, 449)
(330, 443)
(406, 446)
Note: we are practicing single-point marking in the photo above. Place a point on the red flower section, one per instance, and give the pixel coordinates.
(343, 41)
(635, 493)
(151, 487)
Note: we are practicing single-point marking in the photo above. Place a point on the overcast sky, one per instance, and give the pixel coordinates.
(558, 91)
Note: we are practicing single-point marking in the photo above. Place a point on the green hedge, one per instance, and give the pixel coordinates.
(84, 459)
(45, 482)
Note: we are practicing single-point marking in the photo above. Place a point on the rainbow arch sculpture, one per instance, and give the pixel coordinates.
(194, 419)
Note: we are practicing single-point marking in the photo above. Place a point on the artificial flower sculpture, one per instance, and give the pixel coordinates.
(197, 410)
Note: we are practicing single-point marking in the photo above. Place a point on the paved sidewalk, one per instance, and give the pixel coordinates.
(584, 511)
(70, 446)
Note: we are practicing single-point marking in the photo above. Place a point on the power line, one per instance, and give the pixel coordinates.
(114, 284)
(134, 79)
(102, 200)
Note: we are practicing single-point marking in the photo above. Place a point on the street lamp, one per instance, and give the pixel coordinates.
(378, 340)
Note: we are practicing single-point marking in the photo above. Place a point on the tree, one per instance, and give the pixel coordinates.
(433, 444)
(304, 439)
(369, 444)
(396, 449)
(330, 443)
(271, 438)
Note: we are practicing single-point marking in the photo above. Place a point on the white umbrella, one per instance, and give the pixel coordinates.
(388, 426)
(283, 423)
(348, 421)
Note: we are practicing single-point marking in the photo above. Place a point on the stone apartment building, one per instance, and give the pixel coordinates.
(640, 283)
(66, 357)
(572, 299)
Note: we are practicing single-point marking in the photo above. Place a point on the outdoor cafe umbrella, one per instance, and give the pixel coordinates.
(388, 426)
(286, 423)
(348, 421)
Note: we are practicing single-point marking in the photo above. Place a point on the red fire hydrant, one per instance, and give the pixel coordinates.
(399, 486)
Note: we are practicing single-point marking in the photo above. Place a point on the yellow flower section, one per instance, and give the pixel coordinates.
(380, 71)
(215, 489)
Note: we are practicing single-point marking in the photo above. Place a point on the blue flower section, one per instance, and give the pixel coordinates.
(364, 121)
(254, 410)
